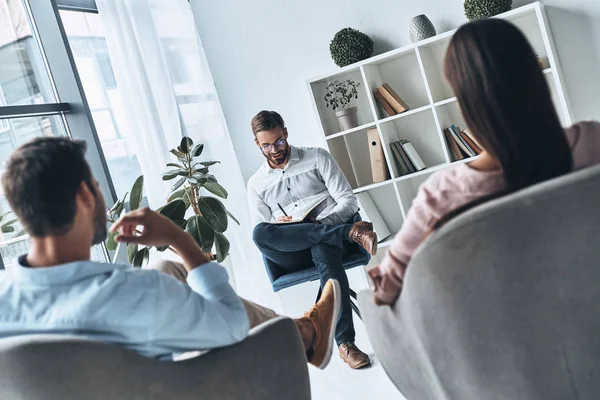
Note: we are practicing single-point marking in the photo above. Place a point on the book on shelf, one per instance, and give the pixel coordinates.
(392, 98)
(455, 151)
(379, 168)
(461, 142)
(471, 143)
(401, 159)
(470, 135)
(384, 103)
(413, 155)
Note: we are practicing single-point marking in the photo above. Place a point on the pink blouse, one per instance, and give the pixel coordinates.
(450, 189)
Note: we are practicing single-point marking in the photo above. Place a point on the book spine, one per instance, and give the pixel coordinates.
(470, 135)
(390, 99)
(413, 156)
(384, 104)
(409, 164)
(471, 144)
(461, 142)
(402, 168)
(395, 96)
(452, 146)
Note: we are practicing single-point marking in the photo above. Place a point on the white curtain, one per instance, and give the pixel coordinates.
(168, 92)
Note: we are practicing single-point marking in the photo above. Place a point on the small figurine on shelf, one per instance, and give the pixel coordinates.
(339, 96)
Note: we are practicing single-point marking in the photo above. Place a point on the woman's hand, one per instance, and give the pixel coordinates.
(386, 290)
(285, 219)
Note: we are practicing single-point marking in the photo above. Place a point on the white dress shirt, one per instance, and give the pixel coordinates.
(310, 174)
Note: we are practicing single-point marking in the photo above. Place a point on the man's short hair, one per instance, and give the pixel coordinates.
(41, 182)
(266, 121)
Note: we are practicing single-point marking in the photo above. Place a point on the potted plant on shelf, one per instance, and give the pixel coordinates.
(209, 218)
(477, 9)
(339, 96)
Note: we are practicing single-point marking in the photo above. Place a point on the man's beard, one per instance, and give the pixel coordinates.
(284, 153)
(100, 230)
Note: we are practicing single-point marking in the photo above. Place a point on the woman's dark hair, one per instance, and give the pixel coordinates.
(506, 102)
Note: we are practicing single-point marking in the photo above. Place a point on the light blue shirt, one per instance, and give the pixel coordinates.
(143, 310)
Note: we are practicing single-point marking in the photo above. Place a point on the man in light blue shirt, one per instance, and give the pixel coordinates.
(57, 289)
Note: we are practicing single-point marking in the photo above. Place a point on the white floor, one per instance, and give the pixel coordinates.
(338, 381)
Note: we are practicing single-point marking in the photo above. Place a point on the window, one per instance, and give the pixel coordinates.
(86, 38)
(30, 100)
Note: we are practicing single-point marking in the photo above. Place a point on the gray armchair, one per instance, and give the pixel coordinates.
(270, 364)
(503, 302)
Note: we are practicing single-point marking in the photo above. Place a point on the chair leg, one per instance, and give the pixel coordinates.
(355, 309)
(319, 294)
(353, 294)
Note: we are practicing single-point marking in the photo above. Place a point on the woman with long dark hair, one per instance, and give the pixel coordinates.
(506, 102)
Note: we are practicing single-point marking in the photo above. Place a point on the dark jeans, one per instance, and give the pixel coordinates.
(296, 247)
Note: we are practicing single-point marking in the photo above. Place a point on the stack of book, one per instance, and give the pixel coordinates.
(406, 157)
(462, 144)
(389, 100)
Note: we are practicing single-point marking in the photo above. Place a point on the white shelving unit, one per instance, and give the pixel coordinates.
(415, 72)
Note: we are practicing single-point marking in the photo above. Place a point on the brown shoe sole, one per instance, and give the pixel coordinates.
(337, 305)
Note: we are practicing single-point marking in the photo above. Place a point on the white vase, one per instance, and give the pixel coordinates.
(348, 118)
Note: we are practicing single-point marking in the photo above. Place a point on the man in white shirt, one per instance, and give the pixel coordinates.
(290, 181)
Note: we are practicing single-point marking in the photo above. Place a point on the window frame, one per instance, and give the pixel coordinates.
(71, 105)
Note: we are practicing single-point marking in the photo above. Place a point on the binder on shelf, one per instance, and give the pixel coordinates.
(379, 168)
(455, 151)
(392, 97)
(413, 155)
(461, 142)
(372, 214)
(384, 103)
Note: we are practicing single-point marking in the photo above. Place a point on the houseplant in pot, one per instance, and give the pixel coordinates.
(478, 9)
(190, 206)
(339, 96)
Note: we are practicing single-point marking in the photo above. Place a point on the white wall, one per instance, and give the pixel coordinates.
(261, 52)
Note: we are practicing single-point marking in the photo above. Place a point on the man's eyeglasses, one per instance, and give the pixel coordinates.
(277, 145)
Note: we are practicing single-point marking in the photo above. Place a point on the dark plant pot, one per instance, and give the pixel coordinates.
(348, 118)
(421, 28)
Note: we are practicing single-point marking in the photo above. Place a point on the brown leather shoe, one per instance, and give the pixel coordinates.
(324, 316)
(362, 233)
(352, 356)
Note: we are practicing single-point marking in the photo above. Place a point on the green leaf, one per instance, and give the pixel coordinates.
(197, 150)
(180, 194)
(203, 170)
(177, 153)
(162, 248)
(10, 222)
(211, 178)
(140, 257)
(137, 192)
(201, 231)
(111, 243)
(209, 163)
(7, 228)
(175, 210)
(167, 176)
(132, 250)
(175, 165)
(4, 215)
(222, 245)
(232, 217)
(22, 232)
(216, 189)
(214, 213)
(178, 184)
(198, 179)
(185, 145)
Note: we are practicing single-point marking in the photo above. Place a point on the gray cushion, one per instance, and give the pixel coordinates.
(269, 364)
(501, 303)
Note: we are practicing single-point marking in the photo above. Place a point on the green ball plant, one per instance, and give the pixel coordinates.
(478, 9)
(349, 46)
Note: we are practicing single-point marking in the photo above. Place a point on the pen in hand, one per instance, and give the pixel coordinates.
(282, 210)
